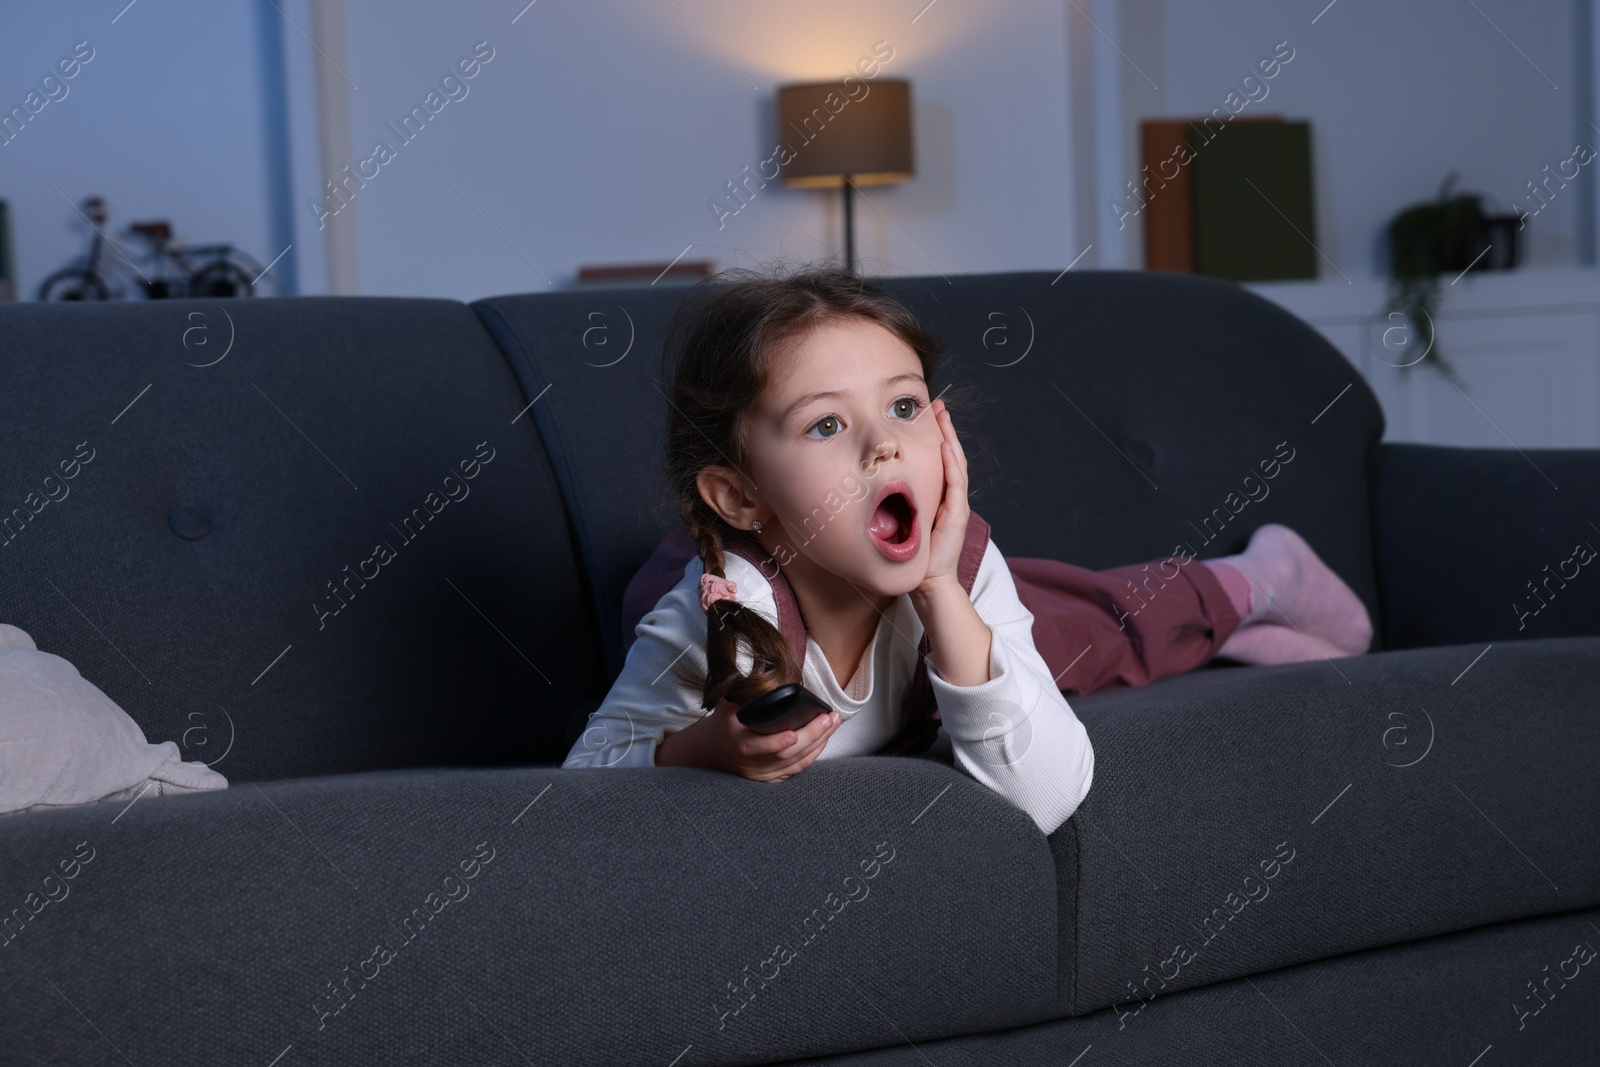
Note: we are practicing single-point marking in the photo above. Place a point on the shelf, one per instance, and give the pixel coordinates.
(1482, 292)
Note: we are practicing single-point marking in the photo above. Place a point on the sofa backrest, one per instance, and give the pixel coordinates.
(593, 360)
(1130, 414)
(296, 536)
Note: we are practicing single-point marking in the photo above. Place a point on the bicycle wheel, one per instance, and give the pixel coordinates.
(220, 279)
(74, 283)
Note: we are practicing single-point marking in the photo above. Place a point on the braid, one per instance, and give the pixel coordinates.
(727, 622)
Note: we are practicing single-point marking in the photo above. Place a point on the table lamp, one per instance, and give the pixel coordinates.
(865, 141)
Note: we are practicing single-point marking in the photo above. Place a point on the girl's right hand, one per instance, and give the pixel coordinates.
(737, 749)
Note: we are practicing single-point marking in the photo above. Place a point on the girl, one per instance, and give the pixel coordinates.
(829, 541)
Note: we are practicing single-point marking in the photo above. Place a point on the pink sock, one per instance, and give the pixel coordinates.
(1298, 608)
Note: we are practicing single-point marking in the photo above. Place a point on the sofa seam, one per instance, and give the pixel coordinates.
(1077, 902)
(511, 346)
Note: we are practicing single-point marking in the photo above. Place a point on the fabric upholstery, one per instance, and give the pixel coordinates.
(189, 565)
(1415, 790)
(185, 563)
(1442, 1001)
(1108, 431)
(518, 922)
(514, 908)
(1509, 520)
(594, 361)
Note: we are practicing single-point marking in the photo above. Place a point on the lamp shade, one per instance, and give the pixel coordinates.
(833, 134)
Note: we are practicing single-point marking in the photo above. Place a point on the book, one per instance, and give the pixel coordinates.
(1254, 218)
(1169, 199)
(1168, 189)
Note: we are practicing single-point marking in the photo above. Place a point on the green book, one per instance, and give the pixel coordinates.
(1253, 215)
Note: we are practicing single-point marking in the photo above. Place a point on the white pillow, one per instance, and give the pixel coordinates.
(64, 742)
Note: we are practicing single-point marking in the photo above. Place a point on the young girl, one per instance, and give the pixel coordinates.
(829, 540)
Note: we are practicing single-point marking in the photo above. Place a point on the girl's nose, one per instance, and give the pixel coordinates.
(886, 449)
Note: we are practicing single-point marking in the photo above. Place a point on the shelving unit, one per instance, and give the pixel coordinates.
(1526, 344)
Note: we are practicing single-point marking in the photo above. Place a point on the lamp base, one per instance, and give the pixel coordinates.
(849, 225)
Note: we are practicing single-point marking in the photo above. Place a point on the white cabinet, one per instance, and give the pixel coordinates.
(1526, 346)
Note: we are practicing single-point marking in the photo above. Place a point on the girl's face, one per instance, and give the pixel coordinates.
(844, 416)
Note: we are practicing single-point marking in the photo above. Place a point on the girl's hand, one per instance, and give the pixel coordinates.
(949, 531)
(721, 742)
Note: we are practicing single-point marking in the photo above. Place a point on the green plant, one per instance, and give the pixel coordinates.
(1425, 240)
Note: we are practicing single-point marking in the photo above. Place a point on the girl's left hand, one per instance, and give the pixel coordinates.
(949, 531)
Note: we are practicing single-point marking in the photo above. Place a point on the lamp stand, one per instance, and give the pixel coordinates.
(849, 226)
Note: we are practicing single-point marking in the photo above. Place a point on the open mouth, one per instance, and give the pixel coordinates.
(892, 519)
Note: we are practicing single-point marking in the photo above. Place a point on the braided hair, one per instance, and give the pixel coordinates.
(718, 355)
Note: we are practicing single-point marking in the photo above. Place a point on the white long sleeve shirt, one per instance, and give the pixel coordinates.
(1014, 733)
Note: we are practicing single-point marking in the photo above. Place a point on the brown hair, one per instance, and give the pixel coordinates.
(718, 355)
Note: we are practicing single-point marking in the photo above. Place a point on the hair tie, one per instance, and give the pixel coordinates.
(714, 588)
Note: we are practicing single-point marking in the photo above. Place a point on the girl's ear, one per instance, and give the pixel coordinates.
(727, 493)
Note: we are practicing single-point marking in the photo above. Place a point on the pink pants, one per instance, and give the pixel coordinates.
(1125, 626)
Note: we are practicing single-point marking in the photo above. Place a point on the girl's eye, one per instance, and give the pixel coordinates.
(908, 406)
(905, 407)
(825, 420)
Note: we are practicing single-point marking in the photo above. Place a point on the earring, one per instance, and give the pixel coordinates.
(756, 526)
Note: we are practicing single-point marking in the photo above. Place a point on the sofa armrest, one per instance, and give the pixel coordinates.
(582, 916)
(1472, 543)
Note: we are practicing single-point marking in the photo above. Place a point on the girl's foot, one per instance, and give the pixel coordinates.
(1266, 643)
(1299, 608)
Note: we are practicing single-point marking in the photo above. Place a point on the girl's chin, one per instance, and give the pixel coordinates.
(892, 579)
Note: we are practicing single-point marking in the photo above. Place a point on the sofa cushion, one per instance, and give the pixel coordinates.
(1462, 994)
(1128, 413)
(196, 527)
(1254, 817)
(583, 917)
(594, 361)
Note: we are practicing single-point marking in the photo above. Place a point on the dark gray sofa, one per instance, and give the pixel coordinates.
(1384, 859)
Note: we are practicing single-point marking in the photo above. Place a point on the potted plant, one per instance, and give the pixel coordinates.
(1452, 234)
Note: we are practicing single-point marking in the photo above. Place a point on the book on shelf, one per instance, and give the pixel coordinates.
(1230, 201)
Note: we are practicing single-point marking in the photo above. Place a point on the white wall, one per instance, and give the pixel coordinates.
(1398, 94)
(600, 130)
(173, 117)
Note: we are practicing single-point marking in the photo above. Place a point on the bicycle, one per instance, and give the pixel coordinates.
(208, 271)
